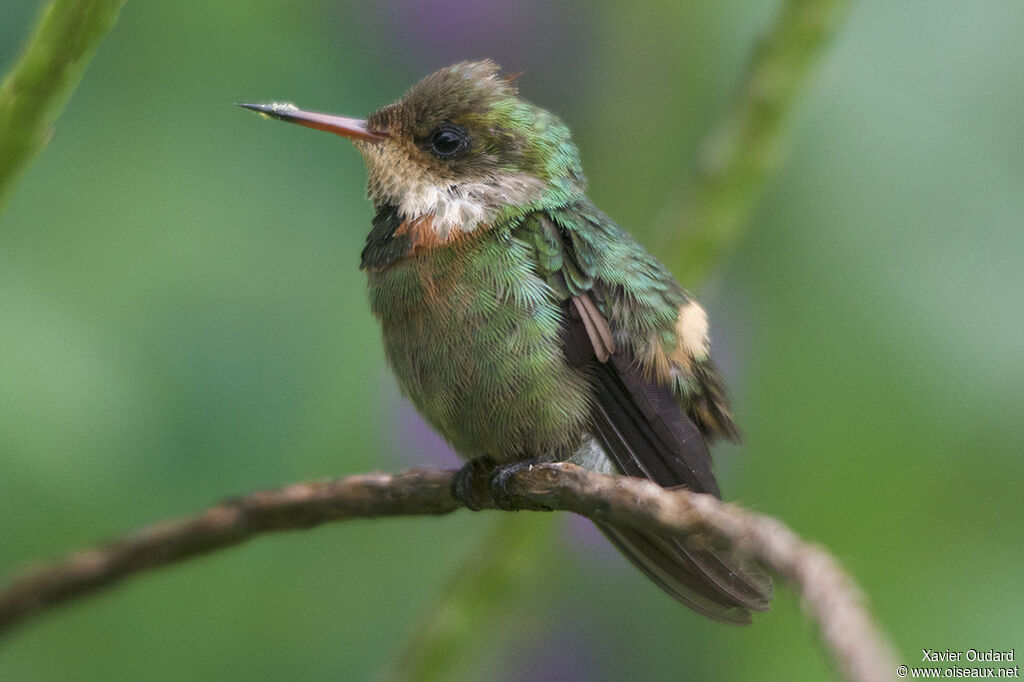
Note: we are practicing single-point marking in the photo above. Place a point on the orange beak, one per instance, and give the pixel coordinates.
(352, 128)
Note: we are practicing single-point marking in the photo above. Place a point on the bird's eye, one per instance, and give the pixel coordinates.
(449, 141)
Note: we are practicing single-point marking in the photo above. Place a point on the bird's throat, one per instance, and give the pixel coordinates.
(431, 197)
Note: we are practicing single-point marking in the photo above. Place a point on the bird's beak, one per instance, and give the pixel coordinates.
(352, 128)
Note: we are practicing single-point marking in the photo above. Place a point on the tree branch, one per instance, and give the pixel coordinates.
(830, 597)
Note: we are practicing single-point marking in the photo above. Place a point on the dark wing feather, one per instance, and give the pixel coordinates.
(642, 427)
(663, 444)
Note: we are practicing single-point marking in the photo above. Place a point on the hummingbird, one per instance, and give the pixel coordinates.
(525, 325)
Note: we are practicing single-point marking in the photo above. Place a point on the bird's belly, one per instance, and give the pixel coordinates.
(475, 345)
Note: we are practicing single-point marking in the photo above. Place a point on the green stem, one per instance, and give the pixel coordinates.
(35, 91)
(706, 218)
(472, 612)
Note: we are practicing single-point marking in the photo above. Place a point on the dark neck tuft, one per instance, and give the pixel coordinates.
(383, 247)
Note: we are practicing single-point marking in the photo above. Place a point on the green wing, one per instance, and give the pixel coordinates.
(622, 310)
(580, 250)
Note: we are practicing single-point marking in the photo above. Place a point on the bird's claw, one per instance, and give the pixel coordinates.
(467, 486)
(499, 483)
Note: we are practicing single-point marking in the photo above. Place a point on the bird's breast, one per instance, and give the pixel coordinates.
(473, 336)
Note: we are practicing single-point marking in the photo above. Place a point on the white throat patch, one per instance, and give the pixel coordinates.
(467, 206)
(453, 205)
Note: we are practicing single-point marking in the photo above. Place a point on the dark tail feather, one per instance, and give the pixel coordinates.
(686, 576)
(643, 430)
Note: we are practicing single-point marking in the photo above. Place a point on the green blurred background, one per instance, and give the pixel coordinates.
(182, 318)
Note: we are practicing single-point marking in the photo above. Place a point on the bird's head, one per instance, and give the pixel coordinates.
(460, 147)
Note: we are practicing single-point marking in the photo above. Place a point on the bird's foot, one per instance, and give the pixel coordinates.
(465, 488)
(499, 483)
(468, 485)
